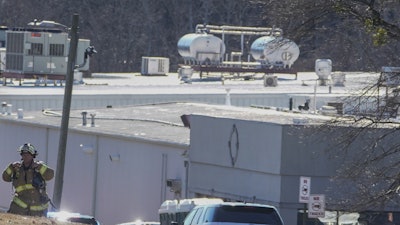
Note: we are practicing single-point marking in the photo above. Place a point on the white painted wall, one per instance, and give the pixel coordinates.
(113, 191)
(39, 102)
(270, 160)
(256, 173)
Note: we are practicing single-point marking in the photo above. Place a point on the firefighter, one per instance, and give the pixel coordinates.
(28, 178)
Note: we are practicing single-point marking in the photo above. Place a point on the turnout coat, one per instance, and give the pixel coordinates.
(29, 184)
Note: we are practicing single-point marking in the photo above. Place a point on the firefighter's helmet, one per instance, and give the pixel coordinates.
(27, 147)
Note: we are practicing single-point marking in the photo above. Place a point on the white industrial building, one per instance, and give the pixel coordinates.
(117, 166)
(117, 169)
(104, 90)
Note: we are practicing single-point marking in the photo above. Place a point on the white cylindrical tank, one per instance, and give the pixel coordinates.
(275, 51)
(201, 48)
(323, 68)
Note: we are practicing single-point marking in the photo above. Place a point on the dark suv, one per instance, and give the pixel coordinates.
(232, 213)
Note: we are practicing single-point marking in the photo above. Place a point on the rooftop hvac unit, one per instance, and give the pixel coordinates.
(338, 79)
(270, 81)
(390, 76)
(155, 66)
(41, 53)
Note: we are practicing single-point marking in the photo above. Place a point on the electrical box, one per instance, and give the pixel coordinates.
(175, 185)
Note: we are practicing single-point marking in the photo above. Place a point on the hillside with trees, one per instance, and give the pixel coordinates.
(125, 30)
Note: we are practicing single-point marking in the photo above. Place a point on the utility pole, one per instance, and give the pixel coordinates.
(69, 81)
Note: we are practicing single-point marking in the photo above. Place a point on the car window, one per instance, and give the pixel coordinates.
(247, 214)
(209, 214)
(196, 218)
(189, 218)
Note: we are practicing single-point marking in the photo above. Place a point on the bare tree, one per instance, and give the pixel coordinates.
(366, 138)
(123, 31)
(379, 16)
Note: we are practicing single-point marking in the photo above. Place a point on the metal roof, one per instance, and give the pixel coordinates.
(155, 122)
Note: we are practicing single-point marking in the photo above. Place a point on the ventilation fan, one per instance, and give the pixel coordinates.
(270, 81)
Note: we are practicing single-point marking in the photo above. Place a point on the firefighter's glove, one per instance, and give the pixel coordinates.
(15, 165)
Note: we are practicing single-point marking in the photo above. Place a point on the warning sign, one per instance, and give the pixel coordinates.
(316, 206)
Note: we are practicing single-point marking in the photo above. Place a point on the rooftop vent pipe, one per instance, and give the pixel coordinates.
(9, 109)
(93, 115)
(84, 118)
(20, 113)
(3, 108)
(228, 96)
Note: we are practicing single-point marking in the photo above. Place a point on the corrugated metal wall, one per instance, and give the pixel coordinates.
(114, 191)
(39, 102)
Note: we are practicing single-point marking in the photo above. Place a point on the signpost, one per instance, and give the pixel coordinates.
(304, 194)
(316, 203)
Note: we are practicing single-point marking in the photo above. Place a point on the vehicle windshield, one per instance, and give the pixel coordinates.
(245, 214)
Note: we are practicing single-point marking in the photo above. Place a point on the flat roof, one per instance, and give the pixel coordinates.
(156, 122)
(134, 83)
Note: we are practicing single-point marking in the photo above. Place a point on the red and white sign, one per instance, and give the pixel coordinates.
(305, 189)
(316, 206)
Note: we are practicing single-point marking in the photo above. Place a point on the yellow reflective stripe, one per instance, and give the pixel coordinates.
(23, 205)
(9, 171)
(20, 203)
(24, 187)
(39, 207)
(43, 169)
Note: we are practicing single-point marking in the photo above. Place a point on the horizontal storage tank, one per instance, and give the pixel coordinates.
(201, 48)
(275, 51)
